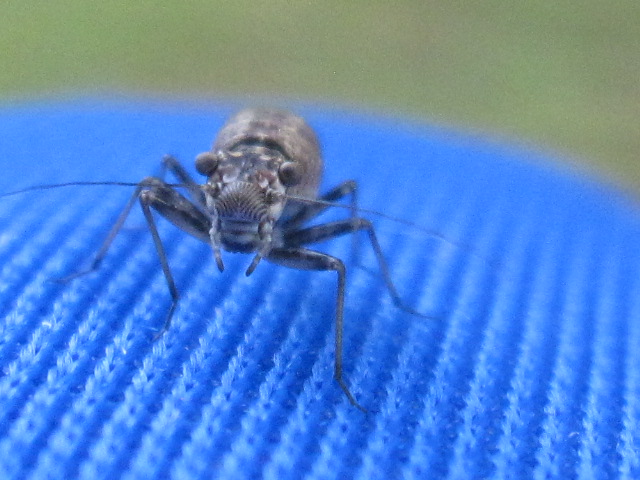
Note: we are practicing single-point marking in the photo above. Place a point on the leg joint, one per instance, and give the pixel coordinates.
(150, 182)
(359, 223)
(336, 264)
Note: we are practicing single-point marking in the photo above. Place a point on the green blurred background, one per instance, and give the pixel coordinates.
(560, 74)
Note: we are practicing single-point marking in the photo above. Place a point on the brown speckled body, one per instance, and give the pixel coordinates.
(284, 130)
(260, 159)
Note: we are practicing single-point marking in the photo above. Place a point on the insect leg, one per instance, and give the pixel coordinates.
(146, 199)
(304, 259)
(318, 233)
(180, 173)
(168, 163)
(184, 215)
(99, 256)
(155, 193)
(311, 210)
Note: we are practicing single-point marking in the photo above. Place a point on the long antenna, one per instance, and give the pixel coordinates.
(377, 213)
(316, 201)
(50, 186)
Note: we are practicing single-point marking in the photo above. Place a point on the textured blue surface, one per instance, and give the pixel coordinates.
(529, 369)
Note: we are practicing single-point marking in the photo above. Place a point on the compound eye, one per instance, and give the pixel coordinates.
(290, 173)
(206, 163)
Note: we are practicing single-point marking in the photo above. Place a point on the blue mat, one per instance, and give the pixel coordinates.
(530, 367)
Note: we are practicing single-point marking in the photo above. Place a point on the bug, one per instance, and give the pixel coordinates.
(263, 174)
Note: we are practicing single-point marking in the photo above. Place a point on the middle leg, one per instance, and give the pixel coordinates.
(311, 210)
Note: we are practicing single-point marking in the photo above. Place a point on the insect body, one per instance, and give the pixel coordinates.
(263, 173)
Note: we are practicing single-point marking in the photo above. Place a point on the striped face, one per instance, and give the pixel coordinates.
(244, 197)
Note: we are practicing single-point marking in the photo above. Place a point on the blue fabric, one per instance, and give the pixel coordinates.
(529, 368)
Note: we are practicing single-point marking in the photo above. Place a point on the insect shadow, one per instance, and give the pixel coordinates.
(261, 190)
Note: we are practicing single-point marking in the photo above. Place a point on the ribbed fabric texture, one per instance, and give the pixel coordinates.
(528, 368)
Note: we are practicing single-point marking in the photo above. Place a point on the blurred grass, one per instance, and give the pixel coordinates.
(558, 73)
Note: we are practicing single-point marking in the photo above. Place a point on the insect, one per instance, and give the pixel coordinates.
(261, 190)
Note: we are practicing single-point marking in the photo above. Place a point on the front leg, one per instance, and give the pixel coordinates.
(318, 233)
(184, 215)
(172, 164)
(153, 192)
(304, 259)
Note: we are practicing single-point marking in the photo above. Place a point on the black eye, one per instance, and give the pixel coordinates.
(206, 163)
(290, 173)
